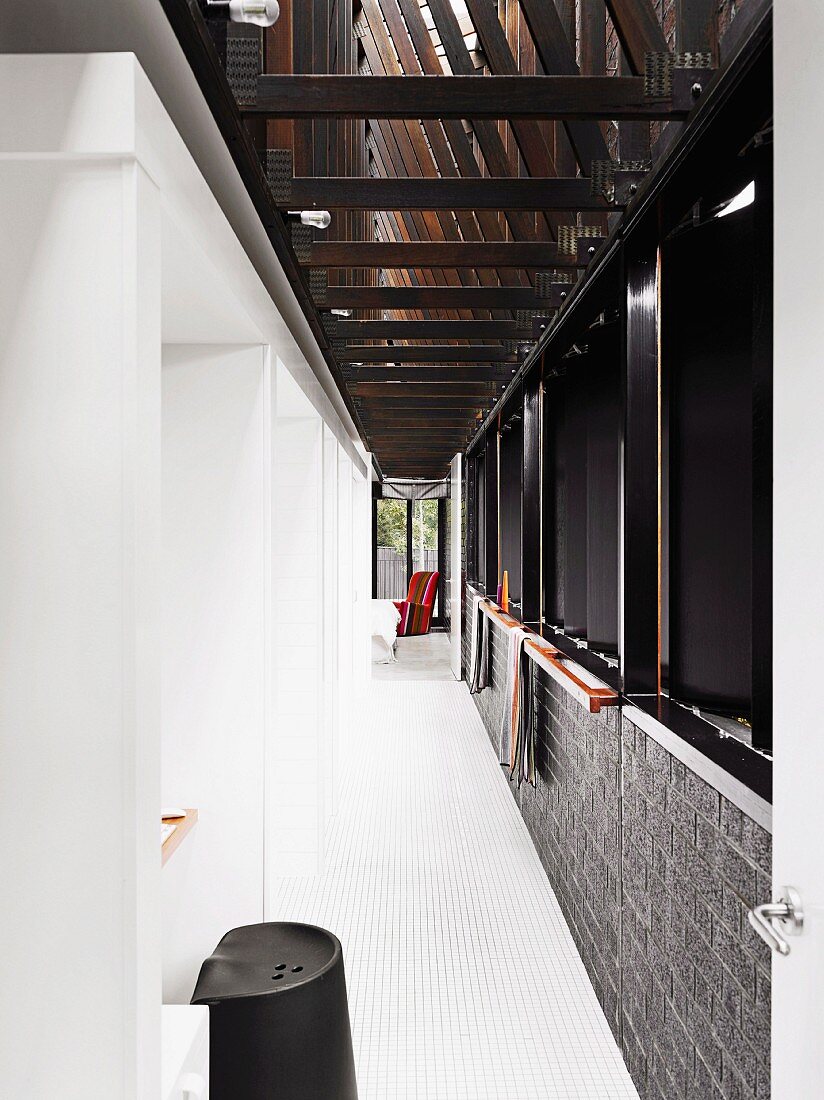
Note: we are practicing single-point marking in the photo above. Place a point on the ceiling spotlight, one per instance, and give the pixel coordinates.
(318, 219)
(263, 13)
(341, 312)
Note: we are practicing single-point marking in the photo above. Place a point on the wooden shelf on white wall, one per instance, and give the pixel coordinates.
(183, 826)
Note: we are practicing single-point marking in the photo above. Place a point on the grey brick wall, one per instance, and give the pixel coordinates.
(696, 978)
(572, 814)
(655, 883)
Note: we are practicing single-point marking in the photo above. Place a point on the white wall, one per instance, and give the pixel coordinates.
(346, 617)
(798, 629)
(108, 230)
(295, 781)
(214, 481)
(79, 624)
(331, 673)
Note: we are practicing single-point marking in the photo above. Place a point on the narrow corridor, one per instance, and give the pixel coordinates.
(464, 981)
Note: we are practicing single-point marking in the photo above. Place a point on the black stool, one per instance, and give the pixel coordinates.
(278, 1016)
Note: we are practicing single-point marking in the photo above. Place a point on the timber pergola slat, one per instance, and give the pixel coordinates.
(558, 57)
(356, 193)
(426, 353)
(426, 297)
(431, 330)
(484, 97)
(413, 254)
(638, 30)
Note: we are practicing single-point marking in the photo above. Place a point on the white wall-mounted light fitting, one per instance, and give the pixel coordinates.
(318, 219)
(263, 13)
(341, 312)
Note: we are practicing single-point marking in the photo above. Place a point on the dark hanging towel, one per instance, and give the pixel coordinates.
(524, 757)
(479, 647)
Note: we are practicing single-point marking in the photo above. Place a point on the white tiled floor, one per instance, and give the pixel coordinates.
(464, 982)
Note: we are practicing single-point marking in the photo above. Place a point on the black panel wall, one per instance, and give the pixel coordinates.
(531, 503)
(603, 486)
(707, 356)
(554, 500)
(511, 492)
(480, 522)
(491, 547)
(575, 447)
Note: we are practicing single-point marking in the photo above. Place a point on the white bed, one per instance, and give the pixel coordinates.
(385, 619)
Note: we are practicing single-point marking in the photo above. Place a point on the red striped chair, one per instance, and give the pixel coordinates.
(416, 609)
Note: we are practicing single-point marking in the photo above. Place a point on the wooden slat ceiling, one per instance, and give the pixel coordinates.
(445, 230)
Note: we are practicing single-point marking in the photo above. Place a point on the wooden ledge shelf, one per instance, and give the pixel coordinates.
(183, 826)
(562, 669)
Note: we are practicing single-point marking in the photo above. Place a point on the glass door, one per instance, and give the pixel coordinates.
(392, 550)
(407, 539)
(425, 514)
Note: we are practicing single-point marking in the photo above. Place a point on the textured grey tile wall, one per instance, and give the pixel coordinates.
(696, 978)
(572, 814)
(655, 883)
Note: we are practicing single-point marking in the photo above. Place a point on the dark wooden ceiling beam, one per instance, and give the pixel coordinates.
(489, 97)
(415, 254)
(411, 423)
(422, 389)
(419, 438)
(426, 374)
(446, 298)
(638, 30)
(425, 353)
(354, 193)
(375, 415)
(433, 401)
(431, 330)
(419, 449)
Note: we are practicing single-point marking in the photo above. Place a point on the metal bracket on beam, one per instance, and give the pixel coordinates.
(244, 62)
(279, 173)
(318, 285)
(606, 172)
(587, 247)
(330, 327)
(526, 318)
(301, 241)
(626, 184)
(539, 326)
(689, 84)
(661, 81)
(545, 280)
(551, 290)
(570, 235)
